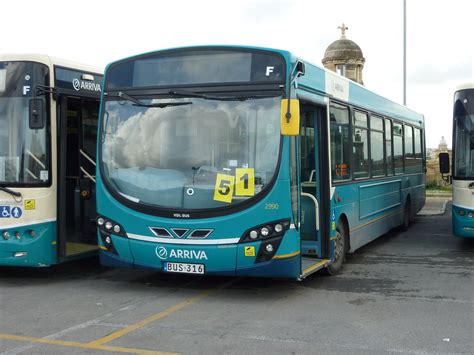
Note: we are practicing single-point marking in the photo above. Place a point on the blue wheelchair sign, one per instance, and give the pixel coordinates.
(5, 212)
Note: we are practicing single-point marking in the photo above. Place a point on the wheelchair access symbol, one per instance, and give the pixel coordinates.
(9, 212)
(5, 212)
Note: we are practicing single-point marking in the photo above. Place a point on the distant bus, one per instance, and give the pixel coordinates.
(248, 161)
(463, 162)
(48, 128)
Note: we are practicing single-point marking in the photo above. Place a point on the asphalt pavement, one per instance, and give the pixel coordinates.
(405, 293)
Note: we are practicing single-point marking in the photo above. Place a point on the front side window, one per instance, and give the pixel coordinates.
(191, 154)
(24, 151)
(464, 134)
(340, 143)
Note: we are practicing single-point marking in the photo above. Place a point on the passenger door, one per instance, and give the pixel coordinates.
(310, 210)
(77, 122)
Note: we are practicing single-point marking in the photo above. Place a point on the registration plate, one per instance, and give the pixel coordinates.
(183, 268)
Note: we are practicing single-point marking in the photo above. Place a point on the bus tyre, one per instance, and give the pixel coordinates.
(406, 216)
(340, 247)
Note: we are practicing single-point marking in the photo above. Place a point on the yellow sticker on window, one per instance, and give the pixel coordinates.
(224, 188)
(30, 204)
(249, 251)
(244, 182)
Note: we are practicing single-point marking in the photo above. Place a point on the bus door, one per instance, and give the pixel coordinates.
(314, 188)
(77, 122)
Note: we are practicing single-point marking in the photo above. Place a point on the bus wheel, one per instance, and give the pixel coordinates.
(340, 247)
(406, 216)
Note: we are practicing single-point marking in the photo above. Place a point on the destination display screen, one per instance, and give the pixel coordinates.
(193, 67)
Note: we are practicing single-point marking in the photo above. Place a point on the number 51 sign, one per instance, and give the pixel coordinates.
(243, 182)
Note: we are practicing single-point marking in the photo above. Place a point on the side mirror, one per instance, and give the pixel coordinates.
(290, 117)
(300, 69)
(444, 163)
(36, 114)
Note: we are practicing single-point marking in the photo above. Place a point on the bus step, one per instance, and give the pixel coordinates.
(311, 265)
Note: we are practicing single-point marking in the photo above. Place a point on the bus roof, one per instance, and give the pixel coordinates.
(323, 82)
(50, 61)
(330, 84)
(465, 86)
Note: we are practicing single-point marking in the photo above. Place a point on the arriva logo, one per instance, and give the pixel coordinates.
(163, 254)
(85, 85)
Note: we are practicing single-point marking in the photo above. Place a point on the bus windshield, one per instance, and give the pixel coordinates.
(23, 151)
(188, 152)
(464, 136)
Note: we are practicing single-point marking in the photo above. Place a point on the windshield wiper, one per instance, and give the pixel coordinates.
(139, 103)
(11, 192)
(186, 93)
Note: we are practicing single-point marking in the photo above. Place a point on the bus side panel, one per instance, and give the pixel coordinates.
(377, 198)
(38, 250)
(372, 208)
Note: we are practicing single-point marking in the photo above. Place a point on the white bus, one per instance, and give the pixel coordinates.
(48, 128)
(463, 161)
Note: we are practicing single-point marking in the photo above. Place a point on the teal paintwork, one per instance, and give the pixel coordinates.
(371, 208)
(41, 250)
(463, 226)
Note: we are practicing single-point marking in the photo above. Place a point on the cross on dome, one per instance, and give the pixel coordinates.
(343, 29)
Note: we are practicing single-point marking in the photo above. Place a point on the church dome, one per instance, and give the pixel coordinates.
(343, 49)
(345, 57)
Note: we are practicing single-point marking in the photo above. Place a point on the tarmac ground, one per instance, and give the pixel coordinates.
(407, 292)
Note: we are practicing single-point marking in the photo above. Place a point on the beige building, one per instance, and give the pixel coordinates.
(345, 57)
(433, 175)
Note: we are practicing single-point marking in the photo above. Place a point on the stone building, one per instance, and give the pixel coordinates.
(345, 57)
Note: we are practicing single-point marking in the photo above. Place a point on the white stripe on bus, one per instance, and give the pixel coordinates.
(183, 241)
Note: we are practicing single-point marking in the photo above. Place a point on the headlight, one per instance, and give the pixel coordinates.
(253, 235)
(109, 226)
(266, 231)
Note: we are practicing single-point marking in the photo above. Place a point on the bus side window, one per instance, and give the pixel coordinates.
(360, 145)
(418, 151)
(340, 142)
(398, 147)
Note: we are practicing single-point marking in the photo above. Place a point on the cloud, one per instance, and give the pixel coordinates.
(431, 74)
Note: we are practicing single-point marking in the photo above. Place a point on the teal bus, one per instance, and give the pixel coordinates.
(49, 109)
(227, 160)
(463, 162)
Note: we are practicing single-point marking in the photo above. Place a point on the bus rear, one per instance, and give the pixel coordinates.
(193, 174)
(463, 162)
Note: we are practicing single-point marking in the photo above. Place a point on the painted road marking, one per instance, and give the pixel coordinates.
(169, 311)
(74, 344)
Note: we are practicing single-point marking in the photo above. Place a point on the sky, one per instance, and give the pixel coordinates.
(440, 50)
